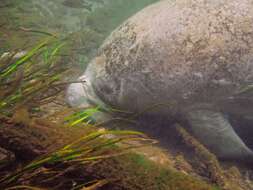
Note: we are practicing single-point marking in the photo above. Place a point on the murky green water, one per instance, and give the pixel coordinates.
(86, 22)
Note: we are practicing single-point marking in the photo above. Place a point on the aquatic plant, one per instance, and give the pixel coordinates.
(84, 115)
(30, 78)
(95, 146)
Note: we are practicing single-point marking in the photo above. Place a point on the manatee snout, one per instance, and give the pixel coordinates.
(76, 93)
(82, 93)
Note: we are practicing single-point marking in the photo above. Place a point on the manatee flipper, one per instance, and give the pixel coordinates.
(215, 132)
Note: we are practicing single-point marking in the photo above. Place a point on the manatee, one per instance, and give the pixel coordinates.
(194, 56)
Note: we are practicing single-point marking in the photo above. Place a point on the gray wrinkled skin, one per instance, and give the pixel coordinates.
(192, 54)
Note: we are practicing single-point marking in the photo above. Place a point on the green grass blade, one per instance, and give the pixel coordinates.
(23, 59)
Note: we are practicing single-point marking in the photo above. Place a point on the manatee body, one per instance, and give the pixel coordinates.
(195, 56)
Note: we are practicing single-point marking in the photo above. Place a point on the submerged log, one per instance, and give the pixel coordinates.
(6, 158)
(25, 142)
(39, 137)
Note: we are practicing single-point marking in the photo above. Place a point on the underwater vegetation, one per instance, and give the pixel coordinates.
(22, 79)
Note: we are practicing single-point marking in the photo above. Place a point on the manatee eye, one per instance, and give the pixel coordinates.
(106, 89)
